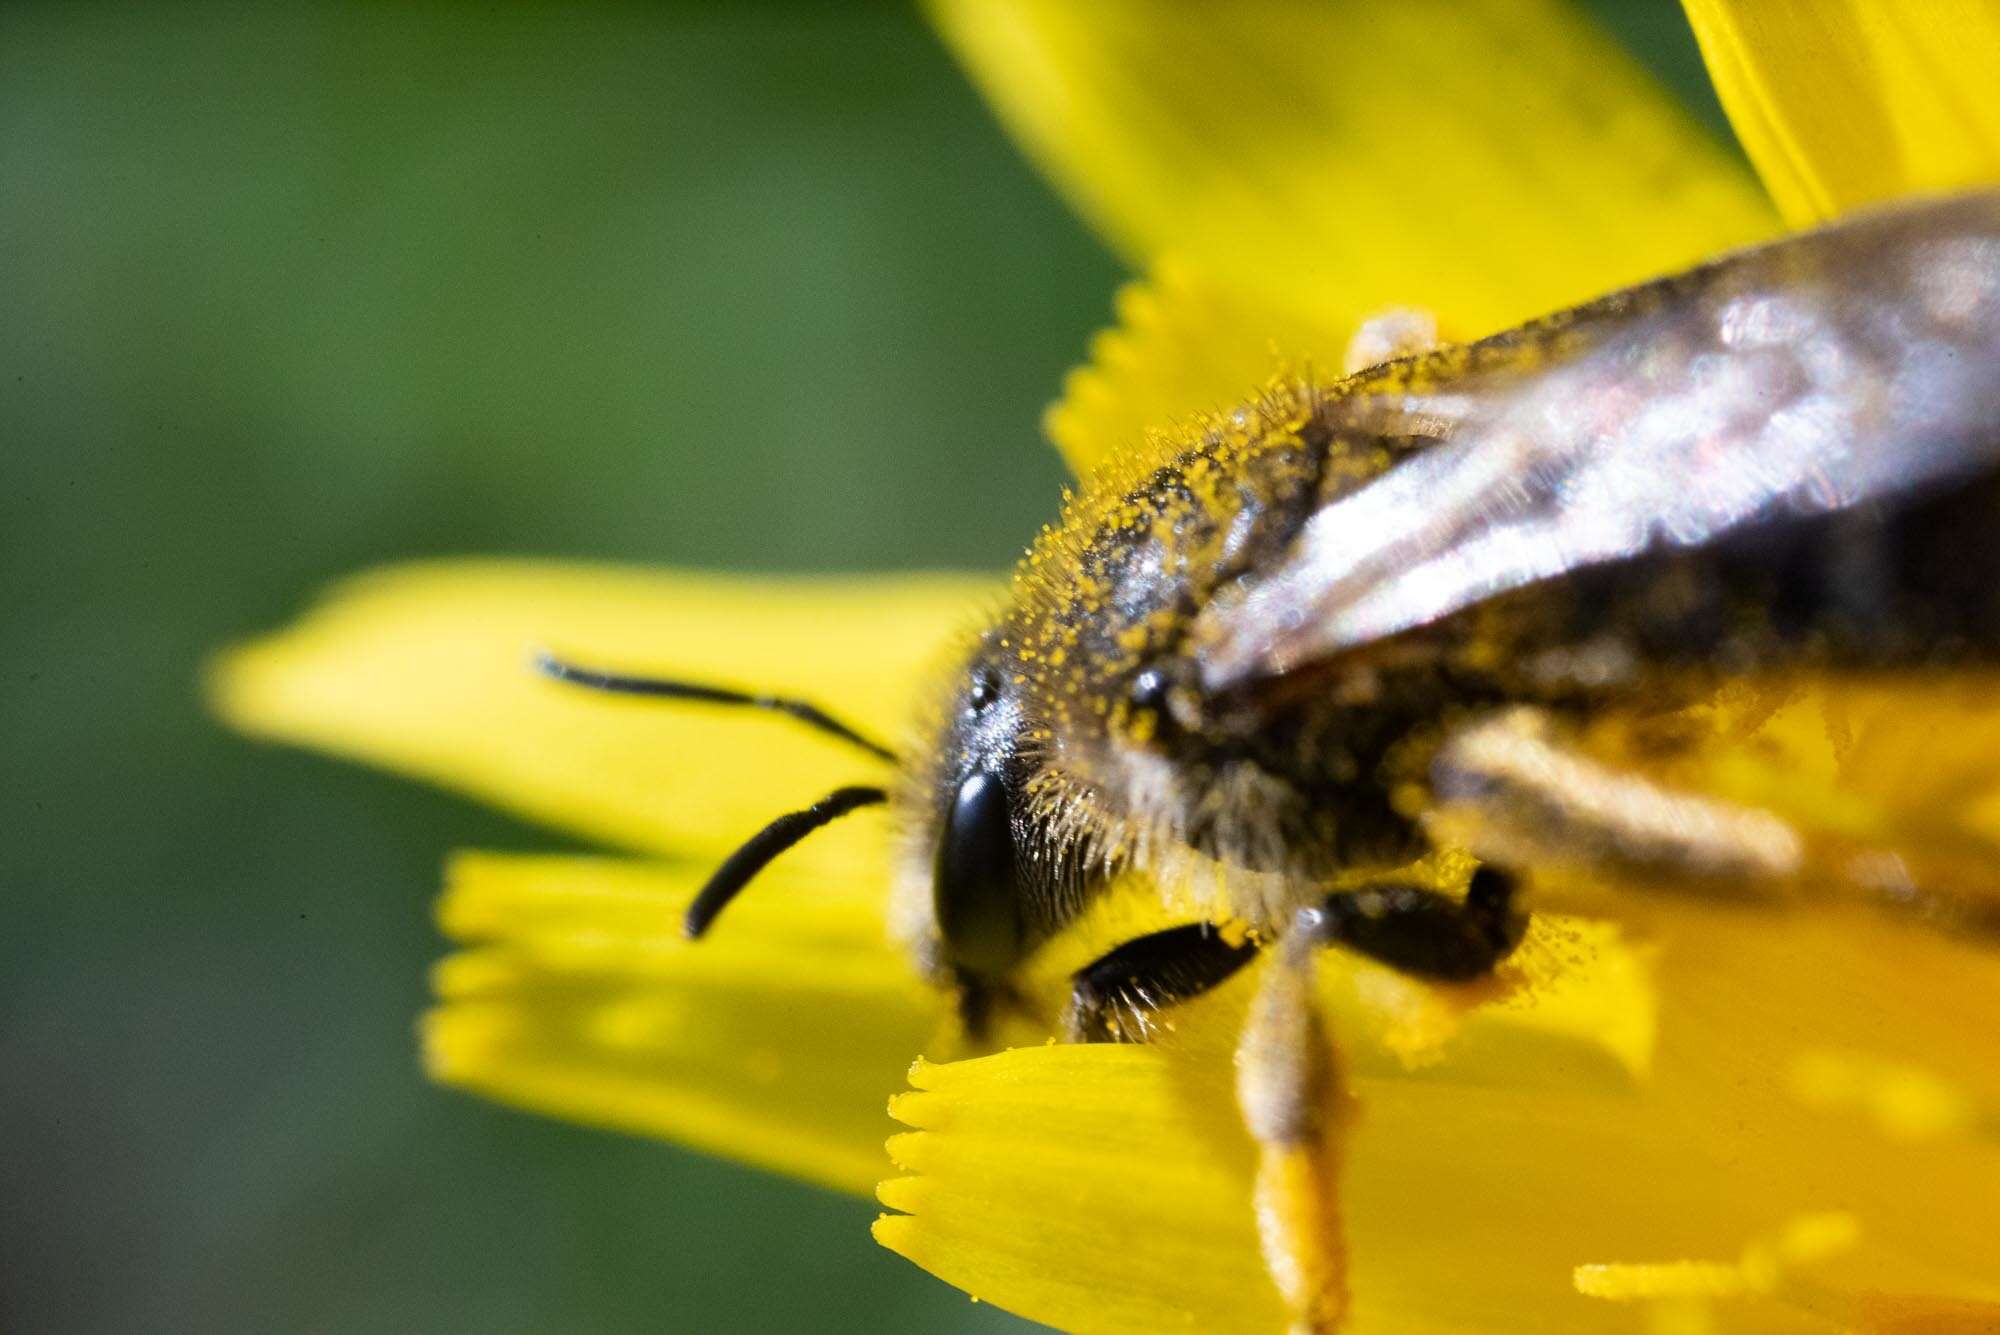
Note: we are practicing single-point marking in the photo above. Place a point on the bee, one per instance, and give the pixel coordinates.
(1276, 660)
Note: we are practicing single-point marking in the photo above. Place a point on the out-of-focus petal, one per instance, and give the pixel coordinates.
(1106, 1188)
(1487, 160)
(425, 669)
(1856, 103)
(772, 1040)
(1184, 344)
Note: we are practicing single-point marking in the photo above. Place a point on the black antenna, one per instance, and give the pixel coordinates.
(551, 666)
(765, 845)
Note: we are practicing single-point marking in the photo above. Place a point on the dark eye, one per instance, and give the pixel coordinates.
(984, 691)
(974, 888)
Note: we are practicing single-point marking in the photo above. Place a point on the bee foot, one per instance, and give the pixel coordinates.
(1298, 1111)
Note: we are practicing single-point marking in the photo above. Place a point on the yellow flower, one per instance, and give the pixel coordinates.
(1753, 1121)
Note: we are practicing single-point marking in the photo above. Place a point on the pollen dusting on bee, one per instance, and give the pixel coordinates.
(1086, 688)
(1247, 657)
(1083, 690)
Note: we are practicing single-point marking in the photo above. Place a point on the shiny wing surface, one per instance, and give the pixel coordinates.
(1856, 364)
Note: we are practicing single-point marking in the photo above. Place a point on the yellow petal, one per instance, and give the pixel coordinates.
(425, 669)
(1184, 344)
(1486, 160)
(1035, 1189)
(1107, 1188)
(772, 1040)
(1856, 103)
(1914, 1314)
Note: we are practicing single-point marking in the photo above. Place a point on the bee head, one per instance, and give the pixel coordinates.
(981, 855)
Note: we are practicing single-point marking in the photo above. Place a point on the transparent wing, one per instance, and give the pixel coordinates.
(1860, 363)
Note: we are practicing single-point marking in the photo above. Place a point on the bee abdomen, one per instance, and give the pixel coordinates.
(1907, 582)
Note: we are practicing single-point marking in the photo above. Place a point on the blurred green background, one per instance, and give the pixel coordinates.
(290, 294)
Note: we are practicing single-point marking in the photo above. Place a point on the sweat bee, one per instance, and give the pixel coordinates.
(1277, 660)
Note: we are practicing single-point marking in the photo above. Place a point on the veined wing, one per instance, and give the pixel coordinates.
(1852, 365)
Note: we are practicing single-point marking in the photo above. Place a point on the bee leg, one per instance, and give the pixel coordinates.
(1298, 1111)
(1510, 789)
(1422, 932)
(1113, 997)
(1288, 1080)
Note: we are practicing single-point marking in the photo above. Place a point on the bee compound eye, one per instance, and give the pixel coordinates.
(975, 888)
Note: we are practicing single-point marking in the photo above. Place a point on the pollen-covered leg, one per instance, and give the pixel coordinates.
(1288, 1078)
(1114, 996)
(1510, 789)
(1297, 1109)
(1425, 933)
